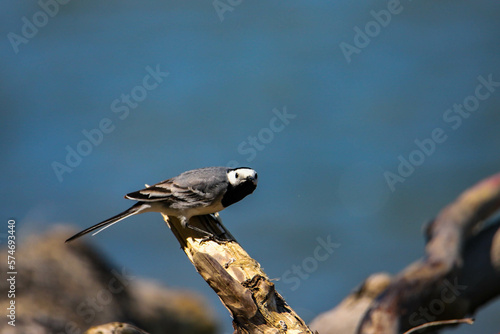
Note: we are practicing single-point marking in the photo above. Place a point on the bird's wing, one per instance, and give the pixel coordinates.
(183, 191)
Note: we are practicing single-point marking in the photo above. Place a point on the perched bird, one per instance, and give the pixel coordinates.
(196, 192)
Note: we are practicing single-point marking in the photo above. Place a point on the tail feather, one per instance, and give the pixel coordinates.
(135, 209)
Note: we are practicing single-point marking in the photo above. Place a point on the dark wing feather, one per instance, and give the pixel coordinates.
(158, 192)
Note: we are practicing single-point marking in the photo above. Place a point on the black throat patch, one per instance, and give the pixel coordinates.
(236, 194)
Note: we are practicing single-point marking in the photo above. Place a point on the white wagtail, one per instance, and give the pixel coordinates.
(196, 192)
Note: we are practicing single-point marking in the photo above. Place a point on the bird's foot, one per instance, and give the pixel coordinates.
(215, 238)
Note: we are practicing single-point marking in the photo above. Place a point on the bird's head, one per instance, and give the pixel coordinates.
(242, 175)
(242, 182)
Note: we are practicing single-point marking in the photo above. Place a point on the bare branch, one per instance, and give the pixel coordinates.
(459, 273)
(238, 280)
(469, 321)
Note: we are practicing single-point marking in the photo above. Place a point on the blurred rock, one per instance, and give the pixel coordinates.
(346, 316)
(68, 288)
(115, 328)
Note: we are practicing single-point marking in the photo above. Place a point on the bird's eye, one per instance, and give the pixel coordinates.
(236, 175)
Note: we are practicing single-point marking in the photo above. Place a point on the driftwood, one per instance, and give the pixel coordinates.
(459, 273)
(238, 280)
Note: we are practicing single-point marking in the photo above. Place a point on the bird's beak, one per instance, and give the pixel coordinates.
(252, 178)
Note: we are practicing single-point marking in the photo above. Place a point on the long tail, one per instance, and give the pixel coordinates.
(135, 209)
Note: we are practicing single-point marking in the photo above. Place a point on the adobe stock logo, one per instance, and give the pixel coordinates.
(30, 28)
(310, 264)
(254, 144)
(120, 106)
(225, 6)
(93, 305)
(373, 28)
(453, 119)
(449, 293)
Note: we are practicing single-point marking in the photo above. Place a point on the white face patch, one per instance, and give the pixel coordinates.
(240, 175)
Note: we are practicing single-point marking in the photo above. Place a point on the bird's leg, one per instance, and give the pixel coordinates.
(185, 224)
(218, 218)
(208, 235)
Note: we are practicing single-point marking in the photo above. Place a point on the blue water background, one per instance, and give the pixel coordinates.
(321, 172)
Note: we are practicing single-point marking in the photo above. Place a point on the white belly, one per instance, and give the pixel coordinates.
(188, 213)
